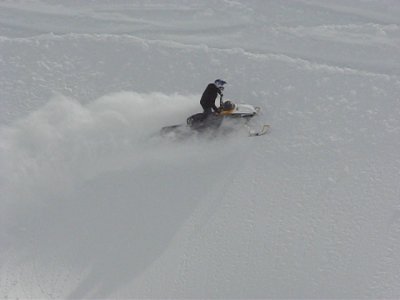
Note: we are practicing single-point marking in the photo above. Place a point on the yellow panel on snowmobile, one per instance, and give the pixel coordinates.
(227, 112)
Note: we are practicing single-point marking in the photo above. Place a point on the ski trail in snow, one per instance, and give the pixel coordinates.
(252, 54)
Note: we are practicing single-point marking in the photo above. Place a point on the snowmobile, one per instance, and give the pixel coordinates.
(228, 110)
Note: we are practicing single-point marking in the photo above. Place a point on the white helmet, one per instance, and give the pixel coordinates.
(219, 83)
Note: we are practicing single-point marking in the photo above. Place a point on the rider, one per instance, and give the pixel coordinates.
(210, 95)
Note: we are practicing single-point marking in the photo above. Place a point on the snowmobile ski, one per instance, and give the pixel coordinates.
(264, 130)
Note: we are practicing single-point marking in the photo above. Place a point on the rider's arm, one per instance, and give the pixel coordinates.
(215, 108)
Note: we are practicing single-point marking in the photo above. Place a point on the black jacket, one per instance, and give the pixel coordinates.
(209, 96)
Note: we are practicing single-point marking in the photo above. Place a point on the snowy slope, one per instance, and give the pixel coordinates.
(95, 205)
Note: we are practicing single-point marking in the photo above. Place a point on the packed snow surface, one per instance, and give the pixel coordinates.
(95, 204)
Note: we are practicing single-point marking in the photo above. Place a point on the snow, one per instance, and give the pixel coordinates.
(94, 204)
